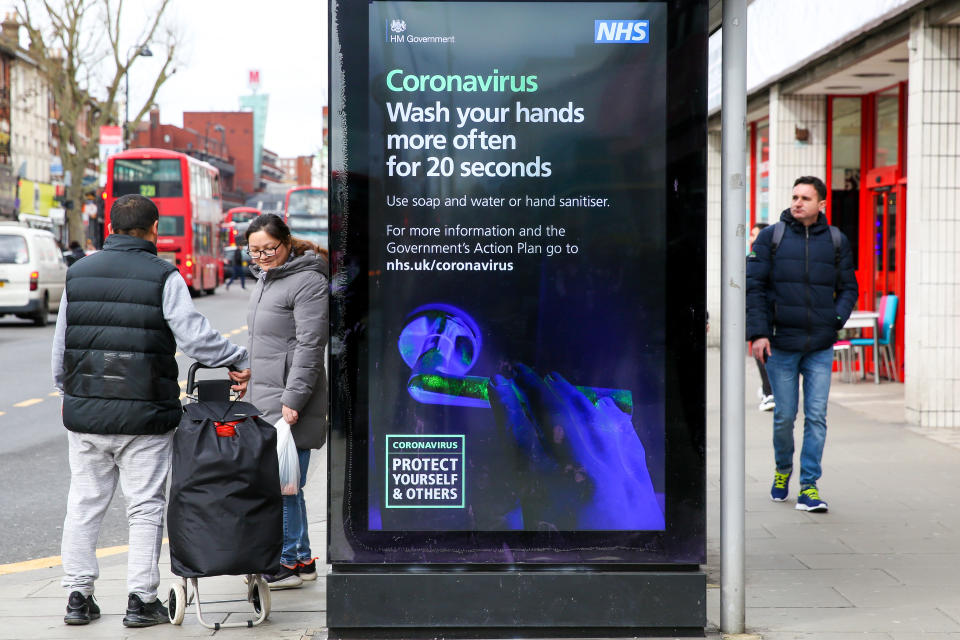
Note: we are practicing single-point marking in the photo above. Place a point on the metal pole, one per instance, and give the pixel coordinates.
(732, 309)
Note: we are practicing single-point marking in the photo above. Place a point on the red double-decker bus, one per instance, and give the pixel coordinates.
(234, 225)
(306, 212)
(187, 193)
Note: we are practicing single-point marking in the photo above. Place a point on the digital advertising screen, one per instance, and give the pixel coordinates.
(505, 227)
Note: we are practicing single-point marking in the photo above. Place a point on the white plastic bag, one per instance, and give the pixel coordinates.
(287, 457)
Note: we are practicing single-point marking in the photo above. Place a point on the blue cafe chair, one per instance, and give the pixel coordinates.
(888, 358)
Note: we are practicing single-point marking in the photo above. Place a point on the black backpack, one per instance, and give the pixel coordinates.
(835, 235)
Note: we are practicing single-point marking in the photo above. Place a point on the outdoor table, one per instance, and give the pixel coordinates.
(867, 320)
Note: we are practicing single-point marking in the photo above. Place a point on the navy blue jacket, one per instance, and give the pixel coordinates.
(801, 297)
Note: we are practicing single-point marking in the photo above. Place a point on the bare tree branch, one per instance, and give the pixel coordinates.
(81, 51)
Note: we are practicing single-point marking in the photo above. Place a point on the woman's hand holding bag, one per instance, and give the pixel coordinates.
(287, 459)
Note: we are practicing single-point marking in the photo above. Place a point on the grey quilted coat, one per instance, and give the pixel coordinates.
(287, 323)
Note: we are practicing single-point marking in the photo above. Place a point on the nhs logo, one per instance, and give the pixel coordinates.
(632, 31)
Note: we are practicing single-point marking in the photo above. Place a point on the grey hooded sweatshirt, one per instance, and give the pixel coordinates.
(287, 323)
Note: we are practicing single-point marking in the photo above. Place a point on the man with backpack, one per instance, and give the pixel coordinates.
(801, 288)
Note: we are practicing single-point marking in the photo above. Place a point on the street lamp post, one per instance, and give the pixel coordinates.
(219, 128)
(206, 139)
(142, 50)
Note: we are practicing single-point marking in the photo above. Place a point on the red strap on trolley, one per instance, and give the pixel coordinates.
(226, 429)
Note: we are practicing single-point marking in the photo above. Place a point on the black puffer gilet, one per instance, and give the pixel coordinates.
(120, 375)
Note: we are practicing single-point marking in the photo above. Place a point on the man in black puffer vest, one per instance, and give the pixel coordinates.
(122, 316)
(799, 294)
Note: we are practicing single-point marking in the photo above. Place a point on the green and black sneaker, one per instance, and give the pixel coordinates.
(778, 493)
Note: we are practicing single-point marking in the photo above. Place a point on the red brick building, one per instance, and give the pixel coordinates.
(235, 130)
(208, 145)
(298, 170)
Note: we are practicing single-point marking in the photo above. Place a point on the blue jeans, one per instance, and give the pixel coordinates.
(296, 541)
(785, 369)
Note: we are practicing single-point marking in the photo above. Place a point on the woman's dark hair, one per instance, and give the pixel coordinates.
(274, 226)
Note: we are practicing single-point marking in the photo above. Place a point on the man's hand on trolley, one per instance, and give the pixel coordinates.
(242, 378)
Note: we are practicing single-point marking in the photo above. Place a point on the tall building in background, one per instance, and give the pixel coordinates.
(258, 104)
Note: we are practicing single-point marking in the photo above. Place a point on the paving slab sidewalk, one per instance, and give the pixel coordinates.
(883, 564)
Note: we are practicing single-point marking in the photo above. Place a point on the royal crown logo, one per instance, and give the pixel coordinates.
(398, 26)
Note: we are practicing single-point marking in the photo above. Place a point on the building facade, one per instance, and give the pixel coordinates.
(235, 130)
(867, 97)
(208, 144)
(297, 171)
(270, 171)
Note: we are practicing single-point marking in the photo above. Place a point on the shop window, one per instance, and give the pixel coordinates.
(845, 138)
(763, 172)
(888, 134)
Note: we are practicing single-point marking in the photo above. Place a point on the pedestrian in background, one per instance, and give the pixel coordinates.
(767, 402)
(287, 320)
(122, 317)
(800, 292)
(237, 269)
(75, 253)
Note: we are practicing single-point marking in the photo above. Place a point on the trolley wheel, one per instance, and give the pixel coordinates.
(260, 597)
(177, 603)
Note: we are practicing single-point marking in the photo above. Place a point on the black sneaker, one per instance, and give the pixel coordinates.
(144, 614)
(307, 570)
(80, 609)
(286, 578)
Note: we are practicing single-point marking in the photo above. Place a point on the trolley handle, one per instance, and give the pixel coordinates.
(196, 366)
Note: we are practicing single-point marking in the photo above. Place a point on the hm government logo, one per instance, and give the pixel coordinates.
(396, 33)
(621, 31)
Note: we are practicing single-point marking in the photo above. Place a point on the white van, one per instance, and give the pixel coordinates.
(32, 273)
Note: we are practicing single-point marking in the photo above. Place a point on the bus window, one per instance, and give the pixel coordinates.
(147, 177)
(307, 202)
(170, 226)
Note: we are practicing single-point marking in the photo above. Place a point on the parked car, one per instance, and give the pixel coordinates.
(33, 273)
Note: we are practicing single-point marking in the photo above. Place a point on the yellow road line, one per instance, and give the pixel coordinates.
(53, 395)
(55, 561)
(183, 384)
(28, 403)
(3, 413)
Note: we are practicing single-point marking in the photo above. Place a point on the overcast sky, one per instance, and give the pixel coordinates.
(286, 40)
(222, 41)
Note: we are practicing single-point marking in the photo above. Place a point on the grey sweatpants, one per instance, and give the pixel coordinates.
(141, 464)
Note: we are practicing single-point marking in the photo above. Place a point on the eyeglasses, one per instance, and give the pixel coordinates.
(266, 253)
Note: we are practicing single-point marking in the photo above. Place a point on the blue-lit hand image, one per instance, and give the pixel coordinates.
(580, 465)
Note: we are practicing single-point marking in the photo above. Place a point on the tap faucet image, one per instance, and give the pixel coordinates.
(441, 343)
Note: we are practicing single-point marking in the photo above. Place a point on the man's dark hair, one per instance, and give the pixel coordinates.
(133, 215)
(760, 226)
(816, 183)
(74, 244)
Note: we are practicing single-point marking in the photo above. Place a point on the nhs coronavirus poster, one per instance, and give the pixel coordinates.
(517, 157)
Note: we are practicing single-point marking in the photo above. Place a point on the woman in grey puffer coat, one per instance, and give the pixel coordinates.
(287, 323)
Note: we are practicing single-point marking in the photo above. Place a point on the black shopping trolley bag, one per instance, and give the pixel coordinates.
(225, 515)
